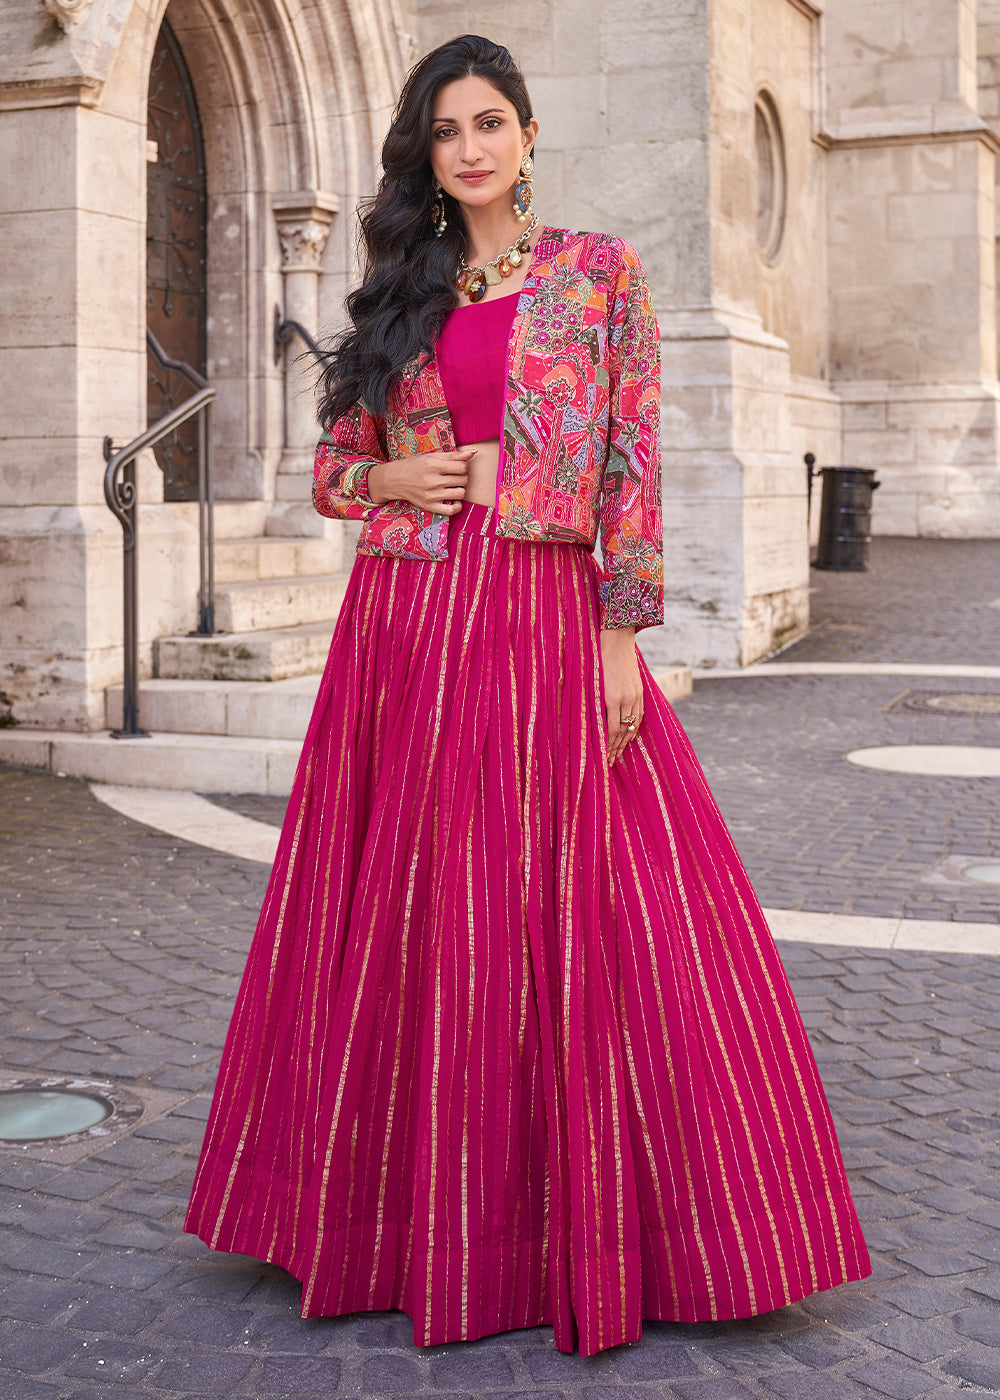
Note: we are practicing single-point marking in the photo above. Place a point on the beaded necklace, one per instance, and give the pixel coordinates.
(473, 281)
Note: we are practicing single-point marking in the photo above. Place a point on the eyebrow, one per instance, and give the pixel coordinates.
(454, 121)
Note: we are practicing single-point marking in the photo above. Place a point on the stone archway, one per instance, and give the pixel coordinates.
(292, 106)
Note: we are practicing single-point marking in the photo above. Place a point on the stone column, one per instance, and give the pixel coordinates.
(912, 224)
(736, 558)
(303, 222)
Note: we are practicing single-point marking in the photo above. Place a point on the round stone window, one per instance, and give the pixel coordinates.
(771, 176)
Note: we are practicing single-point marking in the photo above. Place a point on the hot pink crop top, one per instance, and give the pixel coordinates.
(472, 360)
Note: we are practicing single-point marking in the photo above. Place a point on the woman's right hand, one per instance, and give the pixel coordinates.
(434, 481)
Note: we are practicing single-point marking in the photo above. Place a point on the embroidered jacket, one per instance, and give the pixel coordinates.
(580, 446)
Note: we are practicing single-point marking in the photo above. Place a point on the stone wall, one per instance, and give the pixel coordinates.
(911, 249)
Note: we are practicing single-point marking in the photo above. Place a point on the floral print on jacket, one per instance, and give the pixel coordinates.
(580, 449)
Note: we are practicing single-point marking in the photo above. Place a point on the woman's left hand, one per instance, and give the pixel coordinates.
(622, 687)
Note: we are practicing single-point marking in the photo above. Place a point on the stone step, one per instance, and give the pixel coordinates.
(240, 709)
(274, 557)
(263, 709)
(191, 762)
(274, 654)
(225, 761)
(262, 605)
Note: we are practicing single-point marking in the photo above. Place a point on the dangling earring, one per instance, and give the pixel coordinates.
(522, 190)
(437, 209)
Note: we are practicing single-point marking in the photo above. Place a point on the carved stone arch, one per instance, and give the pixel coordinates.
(230, 73)
(293, 102)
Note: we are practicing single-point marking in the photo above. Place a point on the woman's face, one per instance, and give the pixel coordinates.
(477, 141)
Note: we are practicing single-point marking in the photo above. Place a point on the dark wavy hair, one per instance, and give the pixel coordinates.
(408, 283)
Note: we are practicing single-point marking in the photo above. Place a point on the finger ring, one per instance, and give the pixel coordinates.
(629, 721)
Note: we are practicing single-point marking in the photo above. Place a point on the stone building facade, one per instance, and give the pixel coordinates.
(812, 189)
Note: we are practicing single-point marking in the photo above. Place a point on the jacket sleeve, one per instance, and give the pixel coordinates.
(631, 517)
(344, 455)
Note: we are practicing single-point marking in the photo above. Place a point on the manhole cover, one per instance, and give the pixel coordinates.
(988, 874)
(30, 1115)
(62, 1109)
(948, 702)
(958, 871)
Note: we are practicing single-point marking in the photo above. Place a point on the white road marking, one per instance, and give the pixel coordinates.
(931, 760)
(193, 818)
(847, 668)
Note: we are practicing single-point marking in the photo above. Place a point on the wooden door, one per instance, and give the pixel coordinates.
(175, 256)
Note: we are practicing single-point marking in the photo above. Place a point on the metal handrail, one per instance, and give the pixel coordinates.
(283, 332)
(206, 531)
(180, 367)
(122, 498)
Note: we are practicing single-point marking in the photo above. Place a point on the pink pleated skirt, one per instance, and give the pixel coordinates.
(514, 1045)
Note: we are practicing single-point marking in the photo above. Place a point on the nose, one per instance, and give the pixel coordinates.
(469, 148)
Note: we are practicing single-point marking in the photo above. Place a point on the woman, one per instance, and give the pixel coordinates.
(514, 1045)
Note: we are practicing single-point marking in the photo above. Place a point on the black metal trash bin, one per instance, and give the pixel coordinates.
(845, 517)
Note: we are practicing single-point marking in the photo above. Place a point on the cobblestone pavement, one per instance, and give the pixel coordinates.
(919, 600)
(121, 957)
(817, 832)
(121, 951)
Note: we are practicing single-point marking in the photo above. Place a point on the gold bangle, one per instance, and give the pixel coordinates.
(359, 488)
